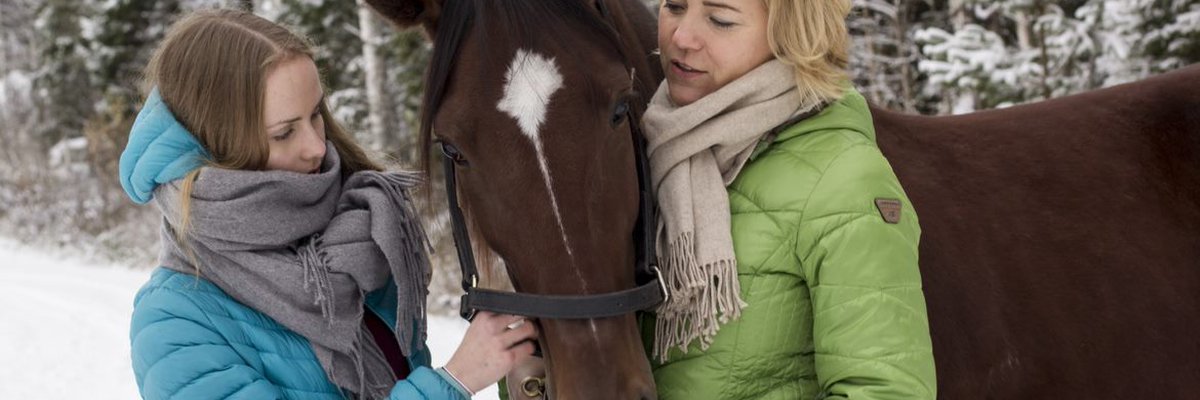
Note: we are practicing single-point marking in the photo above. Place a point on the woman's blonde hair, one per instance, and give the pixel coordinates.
(211, 71)
(811, 36)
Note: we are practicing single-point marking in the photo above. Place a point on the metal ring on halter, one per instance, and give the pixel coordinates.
(662, 284)
(533, 386)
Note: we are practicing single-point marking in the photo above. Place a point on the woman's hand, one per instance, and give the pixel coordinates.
(493, 344)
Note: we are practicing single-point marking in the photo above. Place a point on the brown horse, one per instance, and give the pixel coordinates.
(1060, 247)
(1061, 240)
(529, 99)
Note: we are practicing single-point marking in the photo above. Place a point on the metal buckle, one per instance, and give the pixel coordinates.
(662, 283)
(466, 312)
(533, 386)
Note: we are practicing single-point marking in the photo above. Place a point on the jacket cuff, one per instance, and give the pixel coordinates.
(453, 381)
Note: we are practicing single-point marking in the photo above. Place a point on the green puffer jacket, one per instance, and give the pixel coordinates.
(834, 303)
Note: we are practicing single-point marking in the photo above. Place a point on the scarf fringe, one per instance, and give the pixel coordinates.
(373, 387)
(703, 297)
(415, 243)
(315, 263)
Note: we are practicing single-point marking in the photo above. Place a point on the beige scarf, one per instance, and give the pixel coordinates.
(695, 151)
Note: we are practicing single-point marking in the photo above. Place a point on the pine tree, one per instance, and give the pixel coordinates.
(62, 82)
(1172, 30)
(128, 33)
(1009, 52)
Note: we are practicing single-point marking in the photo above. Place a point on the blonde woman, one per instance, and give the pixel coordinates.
(292, 268)
(788, 244)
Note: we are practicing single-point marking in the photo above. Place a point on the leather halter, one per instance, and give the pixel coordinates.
(649, 293)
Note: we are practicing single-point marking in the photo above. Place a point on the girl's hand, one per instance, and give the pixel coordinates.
(493, 344)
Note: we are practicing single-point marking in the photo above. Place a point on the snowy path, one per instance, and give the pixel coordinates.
(64, 328)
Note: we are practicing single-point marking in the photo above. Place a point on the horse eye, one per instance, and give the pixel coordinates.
(620, 112)
(452, 153)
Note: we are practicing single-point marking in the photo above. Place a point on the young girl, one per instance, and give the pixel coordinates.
(291, 267)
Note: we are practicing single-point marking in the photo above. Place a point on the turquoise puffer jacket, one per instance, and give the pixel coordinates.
(190, 340)
(834, 302)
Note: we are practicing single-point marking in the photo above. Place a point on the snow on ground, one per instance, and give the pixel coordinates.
(64, 328)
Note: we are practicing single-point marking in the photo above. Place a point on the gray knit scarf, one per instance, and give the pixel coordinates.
(304, 249)
(695, 151)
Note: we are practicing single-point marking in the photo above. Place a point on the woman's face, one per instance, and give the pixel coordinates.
(706, 44)
(295, 128)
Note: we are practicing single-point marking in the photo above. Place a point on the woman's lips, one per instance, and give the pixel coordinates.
(685, 71)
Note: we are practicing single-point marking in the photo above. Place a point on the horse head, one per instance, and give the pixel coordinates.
(534, 102)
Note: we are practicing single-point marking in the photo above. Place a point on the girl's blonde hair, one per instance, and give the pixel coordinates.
(811, 36)
(211, 71)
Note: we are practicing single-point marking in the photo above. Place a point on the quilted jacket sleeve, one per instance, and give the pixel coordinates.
(870, 329)
(426, 384)
(178, 354)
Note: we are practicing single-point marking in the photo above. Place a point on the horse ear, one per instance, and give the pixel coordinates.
(406, 13)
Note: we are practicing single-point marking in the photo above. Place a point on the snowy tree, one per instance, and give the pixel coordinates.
(1172, 33)
(126, 36)
(62, 81)
(966, 66)
(1063, 52)
(19, 58)
(882, 53)
(407, 54)
(1118, 40)
(1008, 52)
(394, 63)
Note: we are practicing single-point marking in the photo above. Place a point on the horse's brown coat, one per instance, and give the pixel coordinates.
(1060, 249)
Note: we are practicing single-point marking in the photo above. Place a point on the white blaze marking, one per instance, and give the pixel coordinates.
(530, 81)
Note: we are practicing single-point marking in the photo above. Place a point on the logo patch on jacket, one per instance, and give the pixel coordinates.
(889, 209)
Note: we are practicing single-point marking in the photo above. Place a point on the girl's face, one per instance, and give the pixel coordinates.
(706, 44)
(295, 128)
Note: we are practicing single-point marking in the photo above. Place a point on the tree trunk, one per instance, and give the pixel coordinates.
(1023, 22)
(905, 50)
(381, 111)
